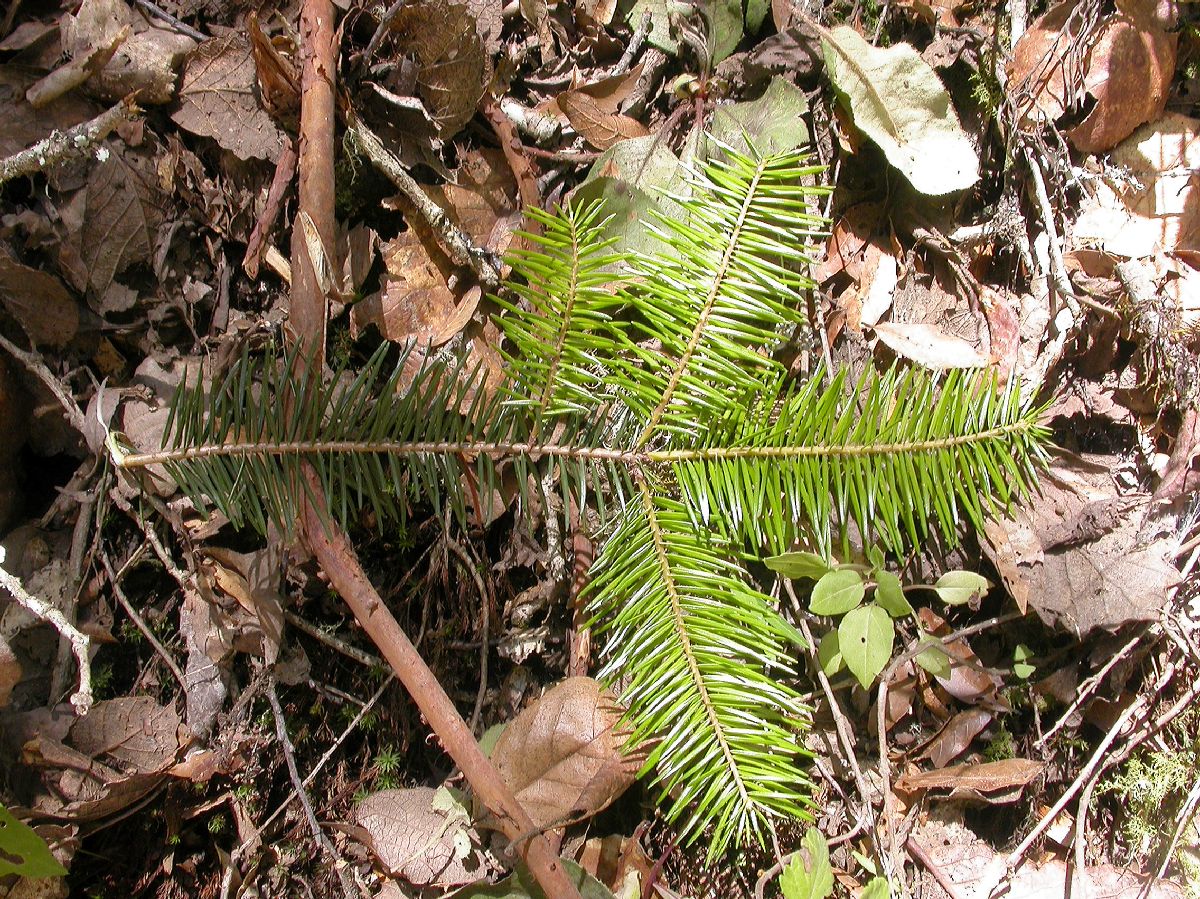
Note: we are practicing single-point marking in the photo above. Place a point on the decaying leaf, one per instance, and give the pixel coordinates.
(1126, 67)
(37, 299)
(423, 835)
(1044, 62)
(446, 43)
(146, 62)
(1083, 557)
(133, 731)
(1129, 70)
(10, 672)
(976, 870)
(218, 99)
(981, 777)
(1156, 207)
(111, 225)
(563, 756)
(897, 100)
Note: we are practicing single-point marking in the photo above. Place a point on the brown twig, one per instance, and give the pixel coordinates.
(329, 543)
(349, 889)
(285, 170)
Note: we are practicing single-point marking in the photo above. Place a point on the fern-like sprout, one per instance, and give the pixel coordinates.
(663, 397)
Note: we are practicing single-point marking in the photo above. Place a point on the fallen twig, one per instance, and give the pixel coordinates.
(454, 241)
(80, 643)
(349, 888)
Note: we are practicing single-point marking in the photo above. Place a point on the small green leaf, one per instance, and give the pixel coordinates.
(865, 637)
(837, 592)
(23, 852)
(798, 564)
(877, 888)
(934, 659)
(875, 557)
(490, 737)
(1021, 668)
(890, 595)
(811, 881)
(829, 654)
(958, 587)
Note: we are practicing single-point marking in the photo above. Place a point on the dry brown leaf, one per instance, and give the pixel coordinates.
(37, 299)
(1129, 70)
(1156, 208)
(599, 128)
(982, 777)
(563, 755)
(608, 93)
(10, 672)
(956, 736)
(445, 41)
(111, 225)
(218, 99)
(134, 731)
(415, 303)
(1082, 557)
(417, 838)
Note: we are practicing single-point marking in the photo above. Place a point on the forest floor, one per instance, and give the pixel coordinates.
(1012, 188)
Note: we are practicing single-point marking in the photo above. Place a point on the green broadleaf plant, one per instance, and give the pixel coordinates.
(653, 394)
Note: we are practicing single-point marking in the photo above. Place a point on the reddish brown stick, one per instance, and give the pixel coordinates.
(306, 317)
(336, 556)
(329, 542)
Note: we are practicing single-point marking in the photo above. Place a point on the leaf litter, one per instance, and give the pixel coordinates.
(130, 250)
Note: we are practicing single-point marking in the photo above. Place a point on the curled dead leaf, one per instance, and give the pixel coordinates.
(564, 755)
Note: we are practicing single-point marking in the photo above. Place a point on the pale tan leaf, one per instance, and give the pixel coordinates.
(929, 346)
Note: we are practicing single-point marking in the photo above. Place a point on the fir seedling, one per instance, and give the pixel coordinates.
(645, 386)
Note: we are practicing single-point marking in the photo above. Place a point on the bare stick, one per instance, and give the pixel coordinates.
(80, 642)
(33, 362)
(349, 888)
(114, 580)
(180, 26)
(454, 241)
